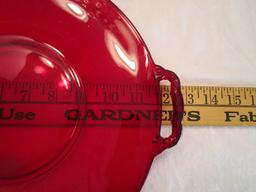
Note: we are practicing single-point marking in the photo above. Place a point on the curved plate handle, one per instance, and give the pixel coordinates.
(178, 107)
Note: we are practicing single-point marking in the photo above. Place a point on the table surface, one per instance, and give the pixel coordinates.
(205, 42)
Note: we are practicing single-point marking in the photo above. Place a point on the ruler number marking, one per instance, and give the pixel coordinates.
(191, 99)
(214, 100)
(236, 100)
(111, 97)
(205, 99)
(166, 98)
(253, 99)
(51, 95)
(24, 94)
(137, 97)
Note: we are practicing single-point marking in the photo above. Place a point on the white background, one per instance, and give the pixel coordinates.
(206, 42)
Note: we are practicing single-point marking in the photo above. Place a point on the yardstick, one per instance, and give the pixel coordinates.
(211, 105)
(204, 105)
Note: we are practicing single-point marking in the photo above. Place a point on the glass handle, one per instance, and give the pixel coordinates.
(178, 108)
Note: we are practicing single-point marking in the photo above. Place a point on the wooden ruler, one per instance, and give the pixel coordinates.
(204, 105)
(220, 106)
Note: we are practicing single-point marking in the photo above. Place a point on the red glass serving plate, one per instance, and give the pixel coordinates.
(80, 101)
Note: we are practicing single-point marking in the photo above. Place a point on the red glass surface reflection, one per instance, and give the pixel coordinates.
(80, 106)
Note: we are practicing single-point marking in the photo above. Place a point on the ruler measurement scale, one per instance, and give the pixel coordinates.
(218, 96)
(209, 105)
(204, 105)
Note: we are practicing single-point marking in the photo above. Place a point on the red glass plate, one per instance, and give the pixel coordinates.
(80, 103)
